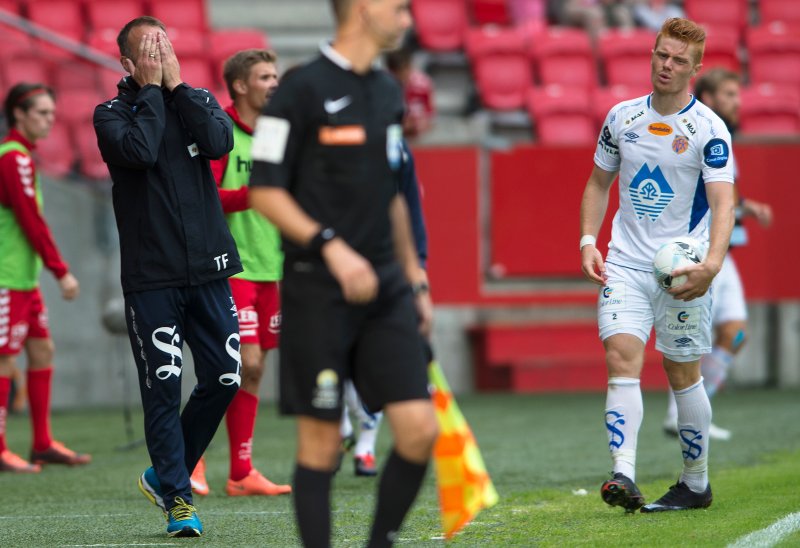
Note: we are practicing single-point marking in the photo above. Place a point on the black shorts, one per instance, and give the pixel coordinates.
(325, 340)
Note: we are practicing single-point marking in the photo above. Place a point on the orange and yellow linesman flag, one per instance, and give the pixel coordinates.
(465, 487)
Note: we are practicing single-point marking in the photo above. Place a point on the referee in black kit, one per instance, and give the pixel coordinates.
(326, 157)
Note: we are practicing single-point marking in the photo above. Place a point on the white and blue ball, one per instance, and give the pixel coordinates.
(676, 253)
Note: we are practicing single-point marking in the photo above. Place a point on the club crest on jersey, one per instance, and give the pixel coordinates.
(650, 193)
(659, 128)
(680, 144)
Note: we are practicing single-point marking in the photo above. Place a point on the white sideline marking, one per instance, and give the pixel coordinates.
(769, 536)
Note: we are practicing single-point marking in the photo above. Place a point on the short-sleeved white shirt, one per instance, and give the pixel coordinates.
(663, 163)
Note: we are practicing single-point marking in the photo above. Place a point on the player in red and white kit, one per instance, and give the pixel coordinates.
(26, 243)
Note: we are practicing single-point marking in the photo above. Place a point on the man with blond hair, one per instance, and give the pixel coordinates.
(251, 77)
(672, 154)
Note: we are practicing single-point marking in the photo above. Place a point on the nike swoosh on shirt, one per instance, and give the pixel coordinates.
(332, 107)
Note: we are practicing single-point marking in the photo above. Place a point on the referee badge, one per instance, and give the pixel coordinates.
(326, 394)
(394, 145)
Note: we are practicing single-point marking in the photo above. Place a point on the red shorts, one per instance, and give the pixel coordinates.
(22, 315)
(259, 310)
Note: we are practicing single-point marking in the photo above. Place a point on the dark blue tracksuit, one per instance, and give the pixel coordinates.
(177, 254)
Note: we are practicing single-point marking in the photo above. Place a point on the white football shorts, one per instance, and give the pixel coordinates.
(729, 303)
(631, 302)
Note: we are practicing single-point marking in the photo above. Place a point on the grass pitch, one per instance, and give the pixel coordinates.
(540, 450)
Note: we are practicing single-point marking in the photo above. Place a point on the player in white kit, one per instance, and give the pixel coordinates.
(675, 179)
(719, 89)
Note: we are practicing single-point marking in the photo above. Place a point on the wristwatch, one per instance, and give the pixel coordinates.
(325, 235)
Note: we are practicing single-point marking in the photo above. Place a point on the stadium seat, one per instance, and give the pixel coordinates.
(112, 14)
(604, 99)
(728, 13)
(188, 42)
(11, 6)
(107, 81)
(722, 49)
(440, 24)
(769, 109)
(26, 68)
(74, 75)
(77, 106)
(562, 115)
(197, 72)
(626, 56)
(563, 56)
(490, 12)
(91, 162)
(61, 16)
(14, 42)
(182, 14)
(500, 66)
(786, 11)
(56, 152)
(104, 41)
(774, 54)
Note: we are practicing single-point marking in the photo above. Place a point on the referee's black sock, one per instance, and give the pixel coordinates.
(398, 488)
(312, 505)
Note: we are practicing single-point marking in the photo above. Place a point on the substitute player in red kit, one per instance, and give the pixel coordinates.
(251, 77)
(25, 244)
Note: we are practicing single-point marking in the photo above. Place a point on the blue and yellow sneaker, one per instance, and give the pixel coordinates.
(182, 520)
(151, 488)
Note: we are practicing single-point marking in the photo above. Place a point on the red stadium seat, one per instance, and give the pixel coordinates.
(182, 14)
(500, 66)
(226, 42)
(61, 16)
(562, 115)
(197, 73)
(774, 54)
(77, 106)
(105, 41)
(604, 99)
(722, 49)
(14, 42)
(11, 6)
(728, 13)
(440, 24)
(112, 14)
(564, 56)
(91, 162)
(769, 109)
(74, 75)
(787, 11)
(26, 68)
(490, 12)
(56, 152)
(626, 56)
(188, 42)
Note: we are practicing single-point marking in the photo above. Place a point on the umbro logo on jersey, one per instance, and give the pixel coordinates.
(334, 106)
(631, 137)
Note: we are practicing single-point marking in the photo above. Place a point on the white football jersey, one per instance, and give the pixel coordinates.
(663, 163)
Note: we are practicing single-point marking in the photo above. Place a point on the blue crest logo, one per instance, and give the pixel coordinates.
(689, 437)
(650, 193)
(612, 420)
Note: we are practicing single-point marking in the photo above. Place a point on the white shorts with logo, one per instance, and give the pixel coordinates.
(729, 304)
(631, 302)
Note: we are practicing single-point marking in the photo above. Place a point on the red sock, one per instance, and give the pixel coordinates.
(39, 399)
(241, 421)
(5, 391)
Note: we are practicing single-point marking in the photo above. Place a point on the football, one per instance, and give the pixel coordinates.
(675, 254)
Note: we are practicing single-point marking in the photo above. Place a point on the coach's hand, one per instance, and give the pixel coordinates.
(70, 288)
(354, 273)
(169, 61)
(147, 68)
(594, 269)
(698, 280)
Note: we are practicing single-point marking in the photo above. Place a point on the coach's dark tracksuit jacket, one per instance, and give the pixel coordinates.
(157, 145)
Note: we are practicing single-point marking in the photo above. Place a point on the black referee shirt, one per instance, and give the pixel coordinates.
(332, 138)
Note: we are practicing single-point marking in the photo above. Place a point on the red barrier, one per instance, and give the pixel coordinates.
(533, 221)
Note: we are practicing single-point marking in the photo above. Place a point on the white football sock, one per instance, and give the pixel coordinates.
(672, 409)
(624, 412)
(694, 419)
(715, 369)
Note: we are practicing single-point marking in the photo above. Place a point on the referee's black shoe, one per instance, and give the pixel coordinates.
(620, 490)
(680, 497)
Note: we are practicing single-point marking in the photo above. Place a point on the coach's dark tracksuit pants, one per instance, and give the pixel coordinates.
(159, 321)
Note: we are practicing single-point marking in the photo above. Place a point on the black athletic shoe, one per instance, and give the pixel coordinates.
(680, 497)
(621, 491)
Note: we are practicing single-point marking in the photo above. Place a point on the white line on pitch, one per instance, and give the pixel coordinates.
(769, 536)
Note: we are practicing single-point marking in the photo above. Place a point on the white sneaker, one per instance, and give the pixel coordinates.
(717, 433)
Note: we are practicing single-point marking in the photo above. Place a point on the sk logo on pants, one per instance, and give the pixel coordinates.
(166, 371)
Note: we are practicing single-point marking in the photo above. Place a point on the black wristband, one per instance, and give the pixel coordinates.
(325, 235)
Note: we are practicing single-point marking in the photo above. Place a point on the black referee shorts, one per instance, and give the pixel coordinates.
(325, 340)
